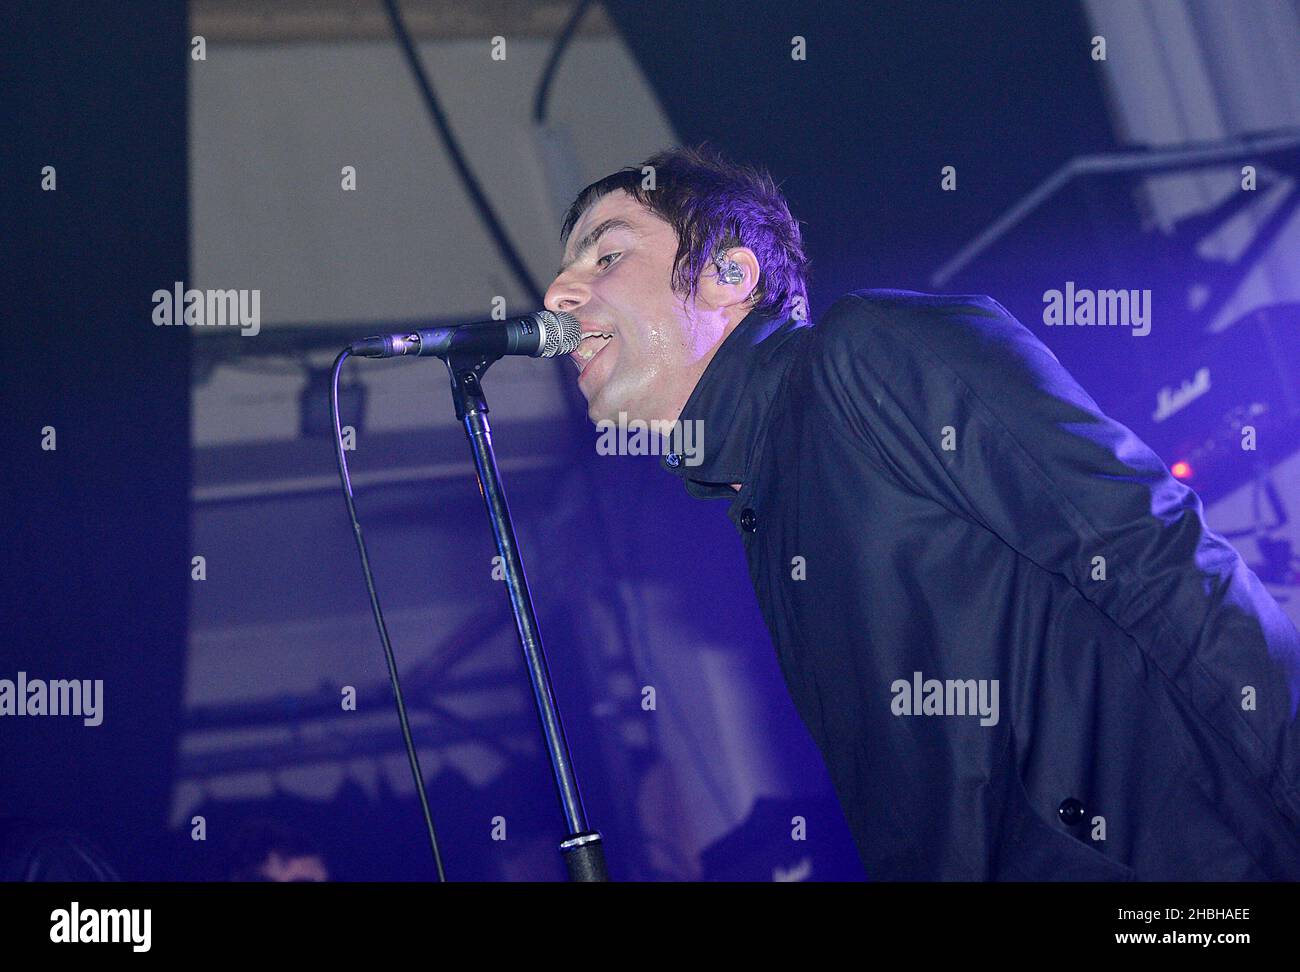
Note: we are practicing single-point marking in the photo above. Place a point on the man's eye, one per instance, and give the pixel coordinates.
(601, 262)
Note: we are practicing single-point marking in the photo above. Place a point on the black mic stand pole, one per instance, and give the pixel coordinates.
(582, 851)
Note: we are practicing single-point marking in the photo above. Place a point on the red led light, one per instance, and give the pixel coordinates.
(1181, 470)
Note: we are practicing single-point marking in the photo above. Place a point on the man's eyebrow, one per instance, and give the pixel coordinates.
(590, 240)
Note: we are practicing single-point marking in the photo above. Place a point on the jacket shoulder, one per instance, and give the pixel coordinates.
(905, 329)
(967, 336)
(931, 319)
(906, 344)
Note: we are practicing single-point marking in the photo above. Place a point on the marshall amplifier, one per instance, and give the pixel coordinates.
(1221, 412)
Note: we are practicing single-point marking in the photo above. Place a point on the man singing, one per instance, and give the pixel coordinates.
(1017, 645)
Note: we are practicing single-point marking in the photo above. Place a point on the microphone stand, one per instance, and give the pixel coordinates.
(582, 851)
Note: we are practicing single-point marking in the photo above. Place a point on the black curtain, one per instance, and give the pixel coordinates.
(96, 553)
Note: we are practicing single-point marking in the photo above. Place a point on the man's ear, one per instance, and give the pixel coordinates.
(719, 288)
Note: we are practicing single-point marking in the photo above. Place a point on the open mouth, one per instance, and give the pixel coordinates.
(593, 344)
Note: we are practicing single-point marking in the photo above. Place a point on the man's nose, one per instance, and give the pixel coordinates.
(565, 294)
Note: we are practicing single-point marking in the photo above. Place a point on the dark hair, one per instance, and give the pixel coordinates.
(713, 204)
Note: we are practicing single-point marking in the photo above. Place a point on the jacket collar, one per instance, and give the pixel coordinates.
(729, 405)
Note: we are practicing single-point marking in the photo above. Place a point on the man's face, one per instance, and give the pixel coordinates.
(619, 284)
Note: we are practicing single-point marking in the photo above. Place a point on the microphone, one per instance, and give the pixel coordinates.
(543, 334)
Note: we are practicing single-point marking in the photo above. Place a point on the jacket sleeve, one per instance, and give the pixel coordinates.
(966, 407)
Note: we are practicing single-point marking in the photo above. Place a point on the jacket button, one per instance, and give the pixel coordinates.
(1070, 811)
(748, 521)
(673, 459)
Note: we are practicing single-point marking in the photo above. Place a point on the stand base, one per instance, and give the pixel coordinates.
(584, 856)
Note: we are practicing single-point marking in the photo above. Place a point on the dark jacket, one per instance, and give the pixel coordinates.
(927, 490)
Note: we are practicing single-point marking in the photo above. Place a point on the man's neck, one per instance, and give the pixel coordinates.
(702, 364)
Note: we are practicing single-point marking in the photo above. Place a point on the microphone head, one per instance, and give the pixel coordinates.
(561, 333)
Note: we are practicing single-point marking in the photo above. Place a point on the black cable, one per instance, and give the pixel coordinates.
(572, 397)
(553, 62)
(495, 229)
(379, 614)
